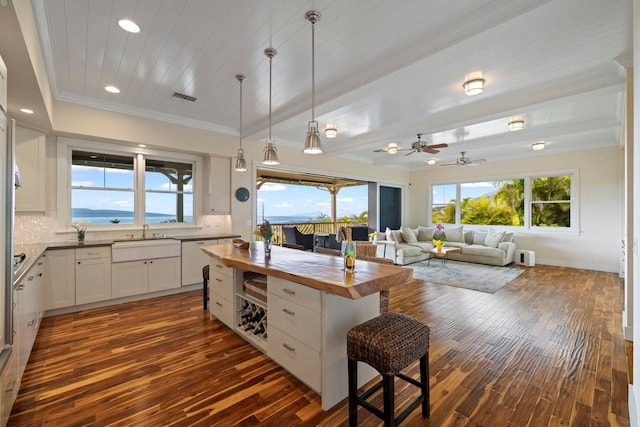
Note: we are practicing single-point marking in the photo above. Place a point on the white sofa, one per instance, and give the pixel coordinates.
(405, 246)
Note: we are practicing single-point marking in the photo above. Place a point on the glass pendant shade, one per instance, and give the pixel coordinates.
(473, 87)
(241, 163)
(312, 144)
(270, 154)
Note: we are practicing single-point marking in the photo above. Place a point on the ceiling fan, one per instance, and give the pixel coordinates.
(418, 146)
(464, 161)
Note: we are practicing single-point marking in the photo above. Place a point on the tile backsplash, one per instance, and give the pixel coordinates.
(41, 228)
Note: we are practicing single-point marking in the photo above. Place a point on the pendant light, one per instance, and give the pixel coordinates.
(241, 163)
(312, 144)
(270, 152)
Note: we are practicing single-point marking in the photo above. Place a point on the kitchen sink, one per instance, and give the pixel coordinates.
(141, 249)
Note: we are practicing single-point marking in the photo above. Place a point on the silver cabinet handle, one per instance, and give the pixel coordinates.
(288, 347)
(289, 312)
(288, 291)
(20, 287)
(218, 280)
(30, 278)
(218, 304)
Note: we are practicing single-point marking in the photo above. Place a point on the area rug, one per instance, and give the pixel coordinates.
(478, 277)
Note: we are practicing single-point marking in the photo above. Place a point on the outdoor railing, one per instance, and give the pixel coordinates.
(309, 228)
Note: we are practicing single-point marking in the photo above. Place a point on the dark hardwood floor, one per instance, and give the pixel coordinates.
(545, 350)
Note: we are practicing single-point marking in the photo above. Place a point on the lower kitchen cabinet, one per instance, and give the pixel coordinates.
(93, 274)
(10, 386)
(60, 278)
(143, 276)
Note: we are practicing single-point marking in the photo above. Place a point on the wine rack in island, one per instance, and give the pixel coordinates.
(251, 308)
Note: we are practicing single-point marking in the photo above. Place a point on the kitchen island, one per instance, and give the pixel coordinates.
(310, 302)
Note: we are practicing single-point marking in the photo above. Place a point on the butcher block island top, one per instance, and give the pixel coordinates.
(319, 271)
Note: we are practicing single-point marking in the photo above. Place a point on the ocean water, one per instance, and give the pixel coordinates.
(107, 216)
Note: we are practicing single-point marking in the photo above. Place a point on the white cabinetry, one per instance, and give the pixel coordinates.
(28, 298)
(93, 274)
(30, 158)
(60, 278)
(143, 276)
(193, 259)
(221, 292)
(219, 200)
(10, 385)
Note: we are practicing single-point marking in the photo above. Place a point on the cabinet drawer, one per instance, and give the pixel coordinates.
(91, 253)
(217, 266)
(294, 292)
(295, 320)
(222, 285)
(302, 361)
(221, 309)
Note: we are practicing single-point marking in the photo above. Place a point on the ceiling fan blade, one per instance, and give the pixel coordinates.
(412, 151)
(380, 150)
(430, 150)
(439, 145)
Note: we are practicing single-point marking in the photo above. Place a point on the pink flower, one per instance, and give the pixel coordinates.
(439, 227)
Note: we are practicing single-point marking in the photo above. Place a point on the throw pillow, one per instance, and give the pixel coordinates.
(389, 236)
(494, 238)
(479, 237)
(408, 235)
(508, 237)
(397, 236)
(425, 234)
(380, 236)
(454, 234)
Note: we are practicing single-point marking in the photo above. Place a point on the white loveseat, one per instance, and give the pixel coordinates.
(405, 246)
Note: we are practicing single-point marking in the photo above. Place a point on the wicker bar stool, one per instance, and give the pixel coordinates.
(389, 343)
(205, 288)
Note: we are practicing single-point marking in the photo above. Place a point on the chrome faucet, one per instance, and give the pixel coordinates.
(145, 227)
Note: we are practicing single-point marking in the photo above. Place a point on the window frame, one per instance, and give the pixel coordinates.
(66, 146)
(527, 226)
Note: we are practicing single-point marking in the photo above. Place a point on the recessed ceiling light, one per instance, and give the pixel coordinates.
(112, 89)
(537, 146)
(141, 145)
(431, 162)
(516, 124)
(129, 26)
(26, 110)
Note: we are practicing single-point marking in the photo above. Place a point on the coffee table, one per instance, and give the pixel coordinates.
(442, 255)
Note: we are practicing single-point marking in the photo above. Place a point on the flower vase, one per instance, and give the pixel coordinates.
(80, 236)
(267, 246)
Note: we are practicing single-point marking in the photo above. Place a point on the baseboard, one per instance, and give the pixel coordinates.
(580, 265)
(634, 404)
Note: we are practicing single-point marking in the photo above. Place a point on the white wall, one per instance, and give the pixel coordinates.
(595, 247)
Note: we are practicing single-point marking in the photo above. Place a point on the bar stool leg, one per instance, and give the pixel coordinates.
(352, 368)
(424, 383)
(389, 401)
(205, 293)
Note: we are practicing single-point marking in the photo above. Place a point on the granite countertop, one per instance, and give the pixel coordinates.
(33, 251)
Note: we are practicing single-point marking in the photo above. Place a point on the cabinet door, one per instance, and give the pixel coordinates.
(129, 278)
(164, 273)
(93, 280)
(3, 86)
(10, 386)
(27, 305)
(219, 185)
(30, 158)
(60, 278)
(193, 259)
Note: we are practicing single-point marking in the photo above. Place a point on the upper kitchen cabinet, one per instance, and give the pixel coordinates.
(3, 86)
(218, 198)
(30, 158)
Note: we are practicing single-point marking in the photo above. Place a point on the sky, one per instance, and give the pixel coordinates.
(442, 194)
(301, 200)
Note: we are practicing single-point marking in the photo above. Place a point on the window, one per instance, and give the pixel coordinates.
(543, 201)
(102, 188)
(114, 186)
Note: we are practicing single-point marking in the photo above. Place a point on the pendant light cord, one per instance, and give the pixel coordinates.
(270, 61)
(313, 70)
(241, 114)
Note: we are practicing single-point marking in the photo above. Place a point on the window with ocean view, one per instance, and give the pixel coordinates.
(103, 189)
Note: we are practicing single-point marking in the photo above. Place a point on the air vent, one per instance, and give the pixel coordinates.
(183, 97)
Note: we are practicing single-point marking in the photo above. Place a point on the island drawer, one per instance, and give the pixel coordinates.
(221, 284)
(296, 320)
(294, 292)
(221, 309)
(295, 357)
(217, 266)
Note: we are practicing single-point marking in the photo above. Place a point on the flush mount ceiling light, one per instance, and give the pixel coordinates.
(392, 148)
(516, 124)
(431, 161)
(537, 146)
(241, 163)
(26, 110)
(473, 87)
(331, 132)
(312, 145)
(112, 89)
(270, 152)
(129, 26)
